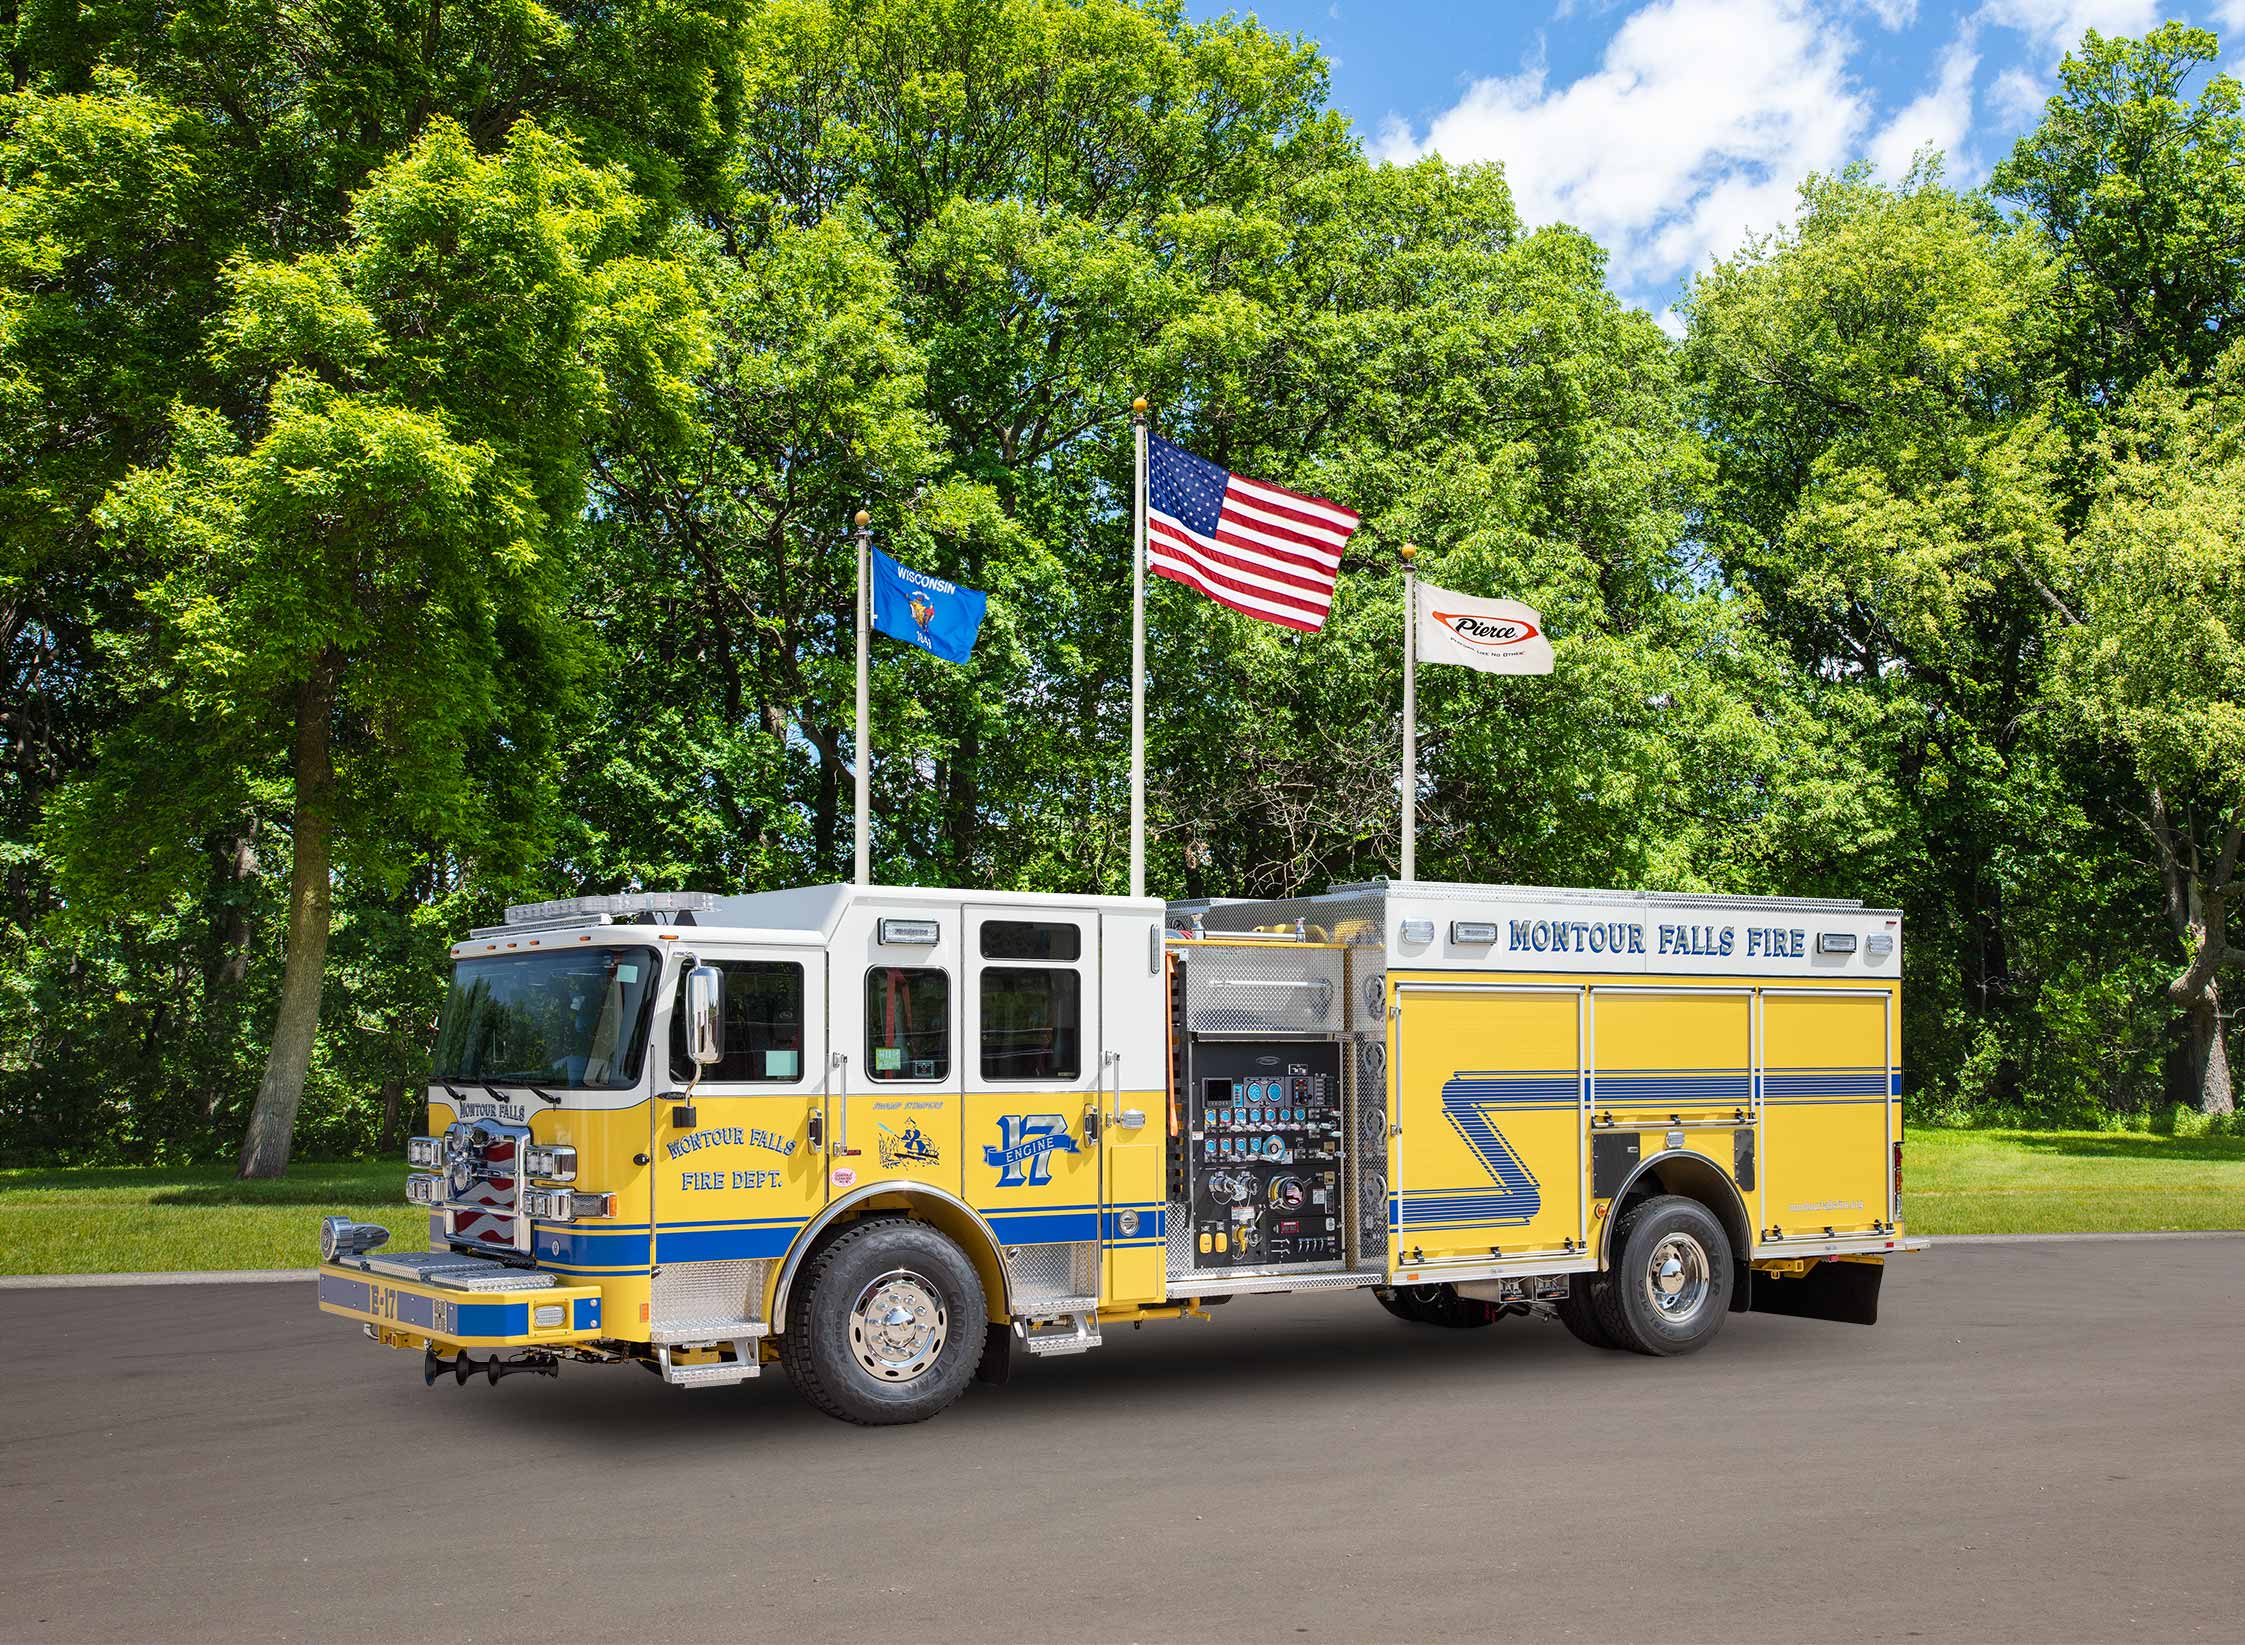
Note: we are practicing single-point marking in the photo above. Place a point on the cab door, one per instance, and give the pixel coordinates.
(1134, 1036)
(1032, 1091)
(897, 983)
(736, 1167)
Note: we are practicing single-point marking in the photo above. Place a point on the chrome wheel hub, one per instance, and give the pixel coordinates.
(1677, 1278)
(898, 1326)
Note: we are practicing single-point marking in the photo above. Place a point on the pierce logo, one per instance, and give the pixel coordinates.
(1488, 633)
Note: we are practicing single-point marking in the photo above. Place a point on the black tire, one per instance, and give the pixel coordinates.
(1438, 1305)
(1579, 1313)
(1669, 1226)
(912, 1270)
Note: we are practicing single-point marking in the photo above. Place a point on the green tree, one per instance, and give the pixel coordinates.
(2152, 660)
(360, 582)
(2140, 194)
(1873, 382)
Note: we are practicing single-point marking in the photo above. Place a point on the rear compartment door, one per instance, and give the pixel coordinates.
(1487, 1089)
(1827, 1123)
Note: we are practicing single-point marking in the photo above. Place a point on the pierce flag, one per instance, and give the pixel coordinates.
(1495, 636)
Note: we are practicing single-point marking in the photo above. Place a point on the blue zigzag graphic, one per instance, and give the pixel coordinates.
(1466, 1104)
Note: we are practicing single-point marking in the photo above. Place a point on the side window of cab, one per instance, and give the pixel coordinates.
(763, 1025)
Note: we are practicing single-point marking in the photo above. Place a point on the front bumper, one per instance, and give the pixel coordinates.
(442, 1297)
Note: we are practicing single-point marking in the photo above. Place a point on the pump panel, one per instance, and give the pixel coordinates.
(1265, 1137)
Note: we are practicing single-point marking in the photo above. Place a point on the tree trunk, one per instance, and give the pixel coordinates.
(393, 1094)
(827, 809)
(964, 801)
(2209, 1055)
(272, 1121)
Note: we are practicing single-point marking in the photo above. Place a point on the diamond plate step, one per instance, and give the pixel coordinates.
(455, 1272)
(672, 1332)
(710, 1376)
(717, 1374)
(1045, 1339)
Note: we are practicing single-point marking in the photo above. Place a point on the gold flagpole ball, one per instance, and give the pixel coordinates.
(862, 519)
(1139, 406)
(1409, 551)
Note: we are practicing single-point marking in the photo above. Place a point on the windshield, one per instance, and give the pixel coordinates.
(571, 1020)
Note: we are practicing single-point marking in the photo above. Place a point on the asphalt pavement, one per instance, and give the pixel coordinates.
(2038, 1442)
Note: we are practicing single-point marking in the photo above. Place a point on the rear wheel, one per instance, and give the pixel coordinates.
(1579, 1313)
(1437, 1305)
(885, 1324)
(1668, 1287)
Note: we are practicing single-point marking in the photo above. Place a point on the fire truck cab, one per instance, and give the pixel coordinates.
(892, 1137)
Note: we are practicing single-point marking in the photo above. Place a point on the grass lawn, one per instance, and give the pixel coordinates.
(145, 1219)
(2054, 1182)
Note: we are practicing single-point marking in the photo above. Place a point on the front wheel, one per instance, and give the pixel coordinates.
(885, 1324)
(1668, 1287)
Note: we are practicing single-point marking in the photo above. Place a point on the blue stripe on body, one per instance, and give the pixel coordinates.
(1822, 1082)
(1465, 1099)
(725, 1244)
(1558, 1089)
(1732, 1086)
(1043, 1227)
(491, 1319)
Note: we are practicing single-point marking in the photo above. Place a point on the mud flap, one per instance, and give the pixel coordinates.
(997, 1355)
(1844, 1291)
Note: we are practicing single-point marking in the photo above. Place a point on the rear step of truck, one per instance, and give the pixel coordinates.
(716, 1373)
(1073, 1333)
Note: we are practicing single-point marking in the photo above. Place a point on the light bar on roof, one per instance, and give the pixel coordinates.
(615, 905)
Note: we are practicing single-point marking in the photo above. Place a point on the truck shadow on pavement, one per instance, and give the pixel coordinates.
(1171, 1364)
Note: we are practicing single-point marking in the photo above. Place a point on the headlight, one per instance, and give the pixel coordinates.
(556, 1164)
(425, 1152)
(562, 1205)
(424, 1190)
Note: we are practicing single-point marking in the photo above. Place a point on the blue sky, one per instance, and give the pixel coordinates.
(1671, 128)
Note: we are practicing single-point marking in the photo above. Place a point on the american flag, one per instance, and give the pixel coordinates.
(1260, 549)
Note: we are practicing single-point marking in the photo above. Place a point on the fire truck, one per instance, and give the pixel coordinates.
(894, 1139)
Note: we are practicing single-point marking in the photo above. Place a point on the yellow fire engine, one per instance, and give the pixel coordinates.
(891, 1137)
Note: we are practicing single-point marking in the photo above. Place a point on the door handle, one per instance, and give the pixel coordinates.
(842, 1148)
(818, 1130)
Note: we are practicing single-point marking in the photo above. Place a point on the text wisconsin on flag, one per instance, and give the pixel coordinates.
(1260, 549)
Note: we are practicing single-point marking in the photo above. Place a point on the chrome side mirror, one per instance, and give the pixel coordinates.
(705, 1015)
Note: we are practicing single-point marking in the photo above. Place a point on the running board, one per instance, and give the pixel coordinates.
(1060, 1334)
(715, 1374)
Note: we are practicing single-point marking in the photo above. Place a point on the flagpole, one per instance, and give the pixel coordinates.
(1410, 716)
(1138, 658)
(864, 706)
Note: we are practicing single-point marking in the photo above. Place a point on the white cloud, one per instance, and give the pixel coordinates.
(1941, 116)
(2231, 14)
(2017, 98)
(1694, 130)
(1893, 14)
(2058, 25)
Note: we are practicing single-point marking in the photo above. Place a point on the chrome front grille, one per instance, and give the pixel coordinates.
(483, 1180)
